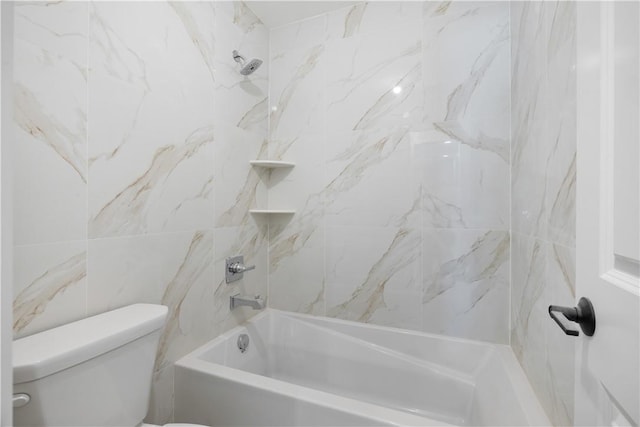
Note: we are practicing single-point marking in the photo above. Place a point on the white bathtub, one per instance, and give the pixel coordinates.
(304, 370)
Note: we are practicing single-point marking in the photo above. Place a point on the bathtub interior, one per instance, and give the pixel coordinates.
(455, 381)
(441, 351)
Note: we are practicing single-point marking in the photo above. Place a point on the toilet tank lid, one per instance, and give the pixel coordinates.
(51, 351)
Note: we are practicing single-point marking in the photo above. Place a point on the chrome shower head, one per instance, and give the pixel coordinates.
(251, 67)
(247, 67)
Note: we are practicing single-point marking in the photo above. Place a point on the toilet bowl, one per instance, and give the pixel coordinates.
(96, 371)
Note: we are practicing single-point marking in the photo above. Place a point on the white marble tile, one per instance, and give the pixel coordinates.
(528, 269)
(189, 296)
(303, 34)
(530, 321)
(296, 92)
(240, 101)
(377, 16)
(373, 275)
(466, 73)
(560, 275)
(544, 274)
(461, 187)
(242, 17)
(173, 269)
(543, 197)
(296, 242)
(300, 188)
(161, 401)
(561, 161)
(238, 186)
(251, 241)
(372, 179)
(197, 19)
(296, 264)
(50, 112)
(530, 106)
(464, 151)
(466, 283)
(374, 81)
(50, 286)
(147, 69)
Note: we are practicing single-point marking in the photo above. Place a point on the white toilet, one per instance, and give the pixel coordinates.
(93, 372)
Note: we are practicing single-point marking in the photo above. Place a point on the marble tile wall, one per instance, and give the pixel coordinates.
(543, 183)
(133, 134)
(434, 145)
(398, 117)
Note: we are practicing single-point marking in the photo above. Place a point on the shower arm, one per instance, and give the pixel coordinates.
(239, 58)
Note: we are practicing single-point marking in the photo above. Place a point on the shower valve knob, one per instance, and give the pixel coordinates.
(235, 268)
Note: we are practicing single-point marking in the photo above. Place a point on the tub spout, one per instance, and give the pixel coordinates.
(257, 303)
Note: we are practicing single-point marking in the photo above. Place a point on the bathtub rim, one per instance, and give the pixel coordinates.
(377, 413)
(526, 397)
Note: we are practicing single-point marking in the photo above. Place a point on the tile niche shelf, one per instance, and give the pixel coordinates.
(272, 211)
(272, 164)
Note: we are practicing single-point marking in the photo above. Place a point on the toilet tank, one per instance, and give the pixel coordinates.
(93, 372)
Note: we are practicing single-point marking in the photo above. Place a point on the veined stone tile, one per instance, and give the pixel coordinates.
(374, 81)
(50, 113)
(240, 101)
(238, 186)
(296, 264)
(373, 275)
(138, 88)
(372, 179)
(466, 283)
(461, 187)
(50, 286)
(249, 240)
(374, 17)
(296, 92)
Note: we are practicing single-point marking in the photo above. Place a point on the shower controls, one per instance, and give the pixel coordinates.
(583, 315)
(235, 268)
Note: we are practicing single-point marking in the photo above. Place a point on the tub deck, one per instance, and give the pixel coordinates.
(305, 370)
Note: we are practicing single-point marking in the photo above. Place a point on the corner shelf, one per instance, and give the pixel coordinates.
(271, 164)
(272, 211)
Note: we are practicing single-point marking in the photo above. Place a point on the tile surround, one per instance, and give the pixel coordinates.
(411, 206)
(373, 275)
(466, 283)
(164, 165)
(51, 136)
(128, 115)
(51, 285)
(543, 123)
(415, 141)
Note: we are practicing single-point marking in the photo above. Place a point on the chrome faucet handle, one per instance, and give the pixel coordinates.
(238, 267)
(235, 268)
